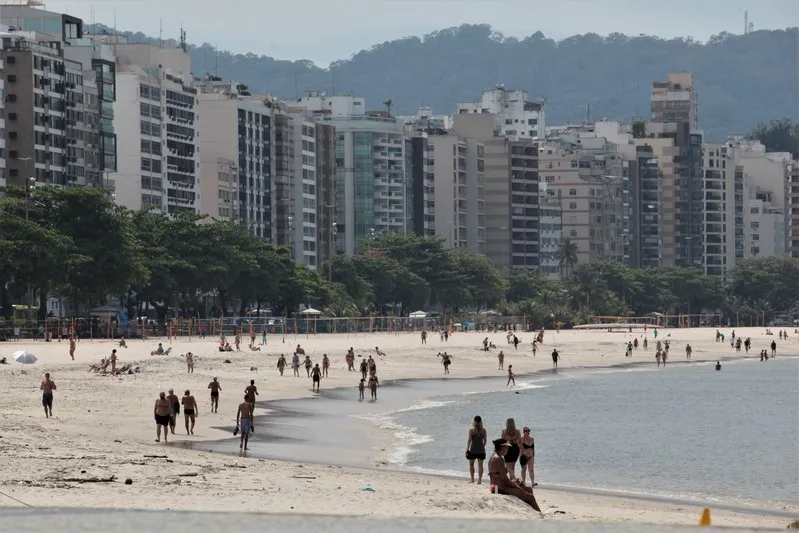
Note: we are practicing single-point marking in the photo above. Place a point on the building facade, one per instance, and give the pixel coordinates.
(675, 100)
(794, 206)
(516, 116)
(157, 128)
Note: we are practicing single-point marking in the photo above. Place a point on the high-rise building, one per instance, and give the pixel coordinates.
(675, 100)
(550, 233)
(515, 115)
(157, 117)
(512, 238)
(236, 137)
(63, 130)
(646, 200)
(794, 203)
(325, 190)
(584, 173)
(371, 190)
(419, 153)
(2, 123)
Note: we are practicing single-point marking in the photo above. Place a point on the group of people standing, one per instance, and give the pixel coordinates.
(513, 446)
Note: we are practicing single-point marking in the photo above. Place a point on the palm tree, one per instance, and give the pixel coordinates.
(566, 256)
(388, 103)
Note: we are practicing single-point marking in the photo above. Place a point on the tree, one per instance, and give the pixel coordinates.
(780, 135)
(566, 255)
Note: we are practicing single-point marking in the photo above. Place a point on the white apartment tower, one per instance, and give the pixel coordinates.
(517, 117)
(158, 121)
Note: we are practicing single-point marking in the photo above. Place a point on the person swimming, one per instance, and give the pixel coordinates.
(718, 365)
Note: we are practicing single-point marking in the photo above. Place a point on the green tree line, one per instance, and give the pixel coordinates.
(76, 243)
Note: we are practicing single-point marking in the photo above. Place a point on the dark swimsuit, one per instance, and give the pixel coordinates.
(523, 459)
(512, 454)
(188, 412)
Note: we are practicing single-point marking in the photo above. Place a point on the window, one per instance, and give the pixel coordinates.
(12, 116)
(572, 192)
(10, 60)
(754, 250)
(145, 163)
(11, 98)
(755, 225)
(13, 154)
(755, 237)
(12, 135)
(572, 233)
(12, 78)
(755, 210)
(572, 205)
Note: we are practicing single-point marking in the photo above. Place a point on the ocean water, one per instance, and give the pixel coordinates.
(686, 431)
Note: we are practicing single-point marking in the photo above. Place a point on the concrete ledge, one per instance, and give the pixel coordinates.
(121, 521)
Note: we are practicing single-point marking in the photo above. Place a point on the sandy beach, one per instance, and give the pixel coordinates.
(103, 427)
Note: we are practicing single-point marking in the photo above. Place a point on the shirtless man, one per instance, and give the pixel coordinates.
(501, 359)
(189, 363)
(161, 412)
(114, 361)
(316, 374)
(281, 364)
(251, 392)
(190, 411)
(308, 364)
(325, 365)
(215, 388)
(174, 409)
(47, 387)
(72, 347)
(498, 473)
(244, 421)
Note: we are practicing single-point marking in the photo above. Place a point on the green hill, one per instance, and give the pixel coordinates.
(742, 80)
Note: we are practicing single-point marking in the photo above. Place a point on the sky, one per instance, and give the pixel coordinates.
(327, 30)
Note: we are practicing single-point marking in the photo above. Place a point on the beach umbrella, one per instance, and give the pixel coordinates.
(24, 357)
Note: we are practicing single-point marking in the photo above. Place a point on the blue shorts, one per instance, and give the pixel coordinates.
(246, 426)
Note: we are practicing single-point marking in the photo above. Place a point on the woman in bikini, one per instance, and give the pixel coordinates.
(476, 448)
(502, 482)
(527, 458)
(513, 436)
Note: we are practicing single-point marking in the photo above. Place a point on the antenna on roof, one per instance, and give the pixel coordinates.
(183, 45)
(160, 33)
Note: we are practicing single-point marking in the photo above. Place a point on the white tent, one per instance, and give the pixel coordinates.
(311, 311)
(418, 314)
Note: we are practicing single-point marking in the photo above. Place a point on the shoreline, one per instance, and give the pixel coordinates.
(103, 427)
(301, 410)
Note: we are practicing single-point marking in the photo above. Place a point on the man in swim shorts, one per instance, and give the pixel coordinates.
(47, 387)
(244, 422)
(189, 410)
(162, 411)
(174, 409)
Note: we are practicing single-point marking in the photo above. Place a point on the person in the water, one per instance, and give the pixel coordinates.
(718, 365)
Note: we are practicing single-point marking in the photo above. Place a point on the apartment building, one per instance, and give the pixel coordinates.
(325, 191)
(60, 129)
(794, 206)
(157, 115)
(35, 92)
(372, 196)
(420, 157)
(584, 174)
(236, 137)
(550, 233)
(512, 238)
(646, 201)
(2, 119)
(516, 116)
(675, 100)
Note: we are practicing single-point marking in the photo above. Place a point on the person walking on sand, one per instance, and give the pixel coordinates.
(295, 364)
(555, 358)
(364, 368)
(688, 351)
(773, 349)
(174, 409)
(476, 448)
(47, 387)
(308, 364)
(350, 358)
(502, 481)
(162, 412)
(535, 348)
(527, 458)
(658, 355)
(325, 365)
(373, 384)
(190, 411)
(424, 336)
(316, 374)
(446, 360)
(511, 376)
(361, 389)
(72, 347)
(238, 341)
(501, 359)
(215, 388)
(114, 361)
(244, 421)
(251, 391)
(281, 364)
